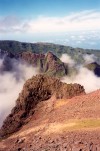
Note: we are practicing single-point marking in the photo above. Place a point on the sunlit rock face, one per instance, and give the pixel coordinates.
(38, 88)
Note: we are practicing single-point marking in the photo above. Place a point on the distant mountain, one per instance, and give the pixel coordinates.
(50, 114)
(16, 48)
(45, 56)
(46, 63)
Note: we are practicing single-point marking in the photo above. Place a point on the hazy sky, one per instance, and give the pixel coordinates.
(68, 22)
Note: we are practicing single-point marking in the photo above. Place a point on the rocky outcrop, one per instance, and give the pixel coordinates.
(54, 66)
(95, 67)
(48, 63)
(35, 59)
(38, 88)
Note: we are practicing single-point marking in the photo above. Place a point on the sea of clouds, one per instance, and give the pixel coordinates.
(84, 76)
(11, 84)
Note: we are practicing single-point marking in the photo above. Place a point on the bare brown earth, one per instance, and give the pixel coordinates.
(60, 125)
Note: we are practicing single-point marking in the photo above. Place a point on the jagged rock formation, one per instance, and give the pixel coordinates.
(17, 47)
(48, 63)
(38, 88)
(34, 59)
(43, 56)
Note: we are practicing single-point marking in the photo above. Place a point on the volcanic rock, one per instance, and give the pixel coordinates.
(95, 67)
(48, 63)
(38, 88)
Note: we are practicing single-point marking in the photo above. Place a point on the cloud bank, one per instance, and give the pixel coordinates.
(77, 29)
(83, 76)
(89, 58)
(67, 59)
(84, 20)
(11, 84)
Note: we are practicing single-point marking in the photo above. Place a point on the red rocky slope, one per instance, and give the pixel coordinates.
(60, 125)
(37, 89)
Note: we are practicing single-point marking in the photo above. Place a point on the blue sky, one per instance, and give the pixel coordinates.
(26, 8)
(67, 22)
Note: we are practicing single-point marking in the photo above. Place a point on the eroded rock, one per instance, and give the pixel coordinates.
(38, 88)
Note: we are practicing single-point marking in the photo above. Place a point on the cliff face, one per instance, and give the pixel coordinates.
(48, 63)
(16, 47)
(33, 58)
(38, 88)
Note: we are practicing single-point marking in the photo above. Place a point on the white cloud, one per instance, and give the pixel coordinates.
(79, 42)
(11, 24)
(1, 63)
(67, 59)
(86, 78)
(11, 84)
(84, 20)
(83, 75)
(89, 58)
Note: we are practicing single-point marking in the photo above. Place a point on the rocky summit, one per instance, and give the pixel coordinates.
(38, 88)
(47, 63)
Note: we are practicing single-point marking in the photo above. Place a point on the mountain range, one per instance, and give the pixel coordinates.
(46, 57)
(16, 48)
(50, 115)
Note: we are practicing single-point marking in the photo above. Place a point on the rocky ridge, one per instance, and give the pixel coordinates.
(38, 88)
(47, 63)
(60, 125)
